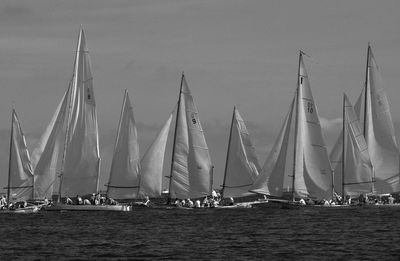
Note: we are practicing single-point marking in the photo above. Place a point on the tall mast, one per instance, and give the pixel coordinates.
(227, 153)
(65, 142)
(173, 144)
(67, 134)
(296, 125)
(366, 90)
(9, 157)
(344, 133)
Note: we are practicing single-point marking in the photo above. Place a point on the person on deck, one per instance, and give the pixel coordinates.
(197, 204)
(68, 201)
(3, 202)
(390, 199)
(205, 202)
(302, 201)
(79, 200)
(189, 203)
(146, 201)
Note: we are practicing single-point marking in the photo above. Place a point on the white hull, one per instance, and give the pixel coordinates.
(62, 207)
(27, 210)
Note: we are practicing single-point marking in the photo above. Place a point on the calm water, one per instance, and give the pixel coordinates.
(205, 234)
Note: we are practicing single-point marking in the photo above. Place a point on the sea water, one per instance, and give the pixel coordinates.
(204, 234)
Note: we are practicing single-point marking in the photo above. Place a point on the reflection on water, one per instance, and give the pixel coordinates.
(204, 234)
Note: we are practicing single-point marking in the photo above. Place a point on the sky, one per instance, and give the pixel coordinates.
(240, 53)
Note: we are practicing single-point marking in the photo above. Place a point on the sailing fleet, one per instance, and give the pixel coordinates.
(66, 161)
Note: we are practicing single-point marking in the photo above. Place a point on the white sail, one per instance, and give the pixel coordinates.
(48, 152)
(81, 164)
(379, 132)
(151, 172)
(124, 175)
(242, 165)
(355, 173)
(191, 165)
(313, 172)
(272, 176)
(20, 177)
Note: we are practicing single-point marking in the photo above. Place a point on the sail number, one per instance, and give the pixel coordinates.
(310, 107)
(193, 118)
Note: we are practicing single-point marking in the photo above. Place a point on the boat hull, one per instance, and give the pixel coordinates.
(26, 210)
(62, 207)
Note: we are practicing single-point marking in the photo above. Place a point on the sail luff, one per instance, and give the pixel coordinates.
(296, 128)
(227, 153)
(175, 136)
(344, 135)
(10, 157)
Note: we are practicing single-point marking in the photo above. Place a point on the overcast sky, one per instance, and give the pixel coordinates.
(233, 52)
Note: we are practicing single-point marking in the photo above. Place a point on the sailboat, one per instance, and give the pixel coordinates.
(191, 168)
(378, 130)
(130, 177)
(353, 170)
(241, 167)
(73, 132)
(305, 165)
(124, 175)
(20, 174)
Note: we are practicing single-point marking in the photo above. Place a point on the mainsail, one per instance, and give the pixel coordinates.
(352, 165)
(124, 175)
(312, 173)
(379, 131)
(81, 163)
(20, 174)
(191, 167)
(152, 162)
(242, 165)
(311, 169)
(48, 152)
